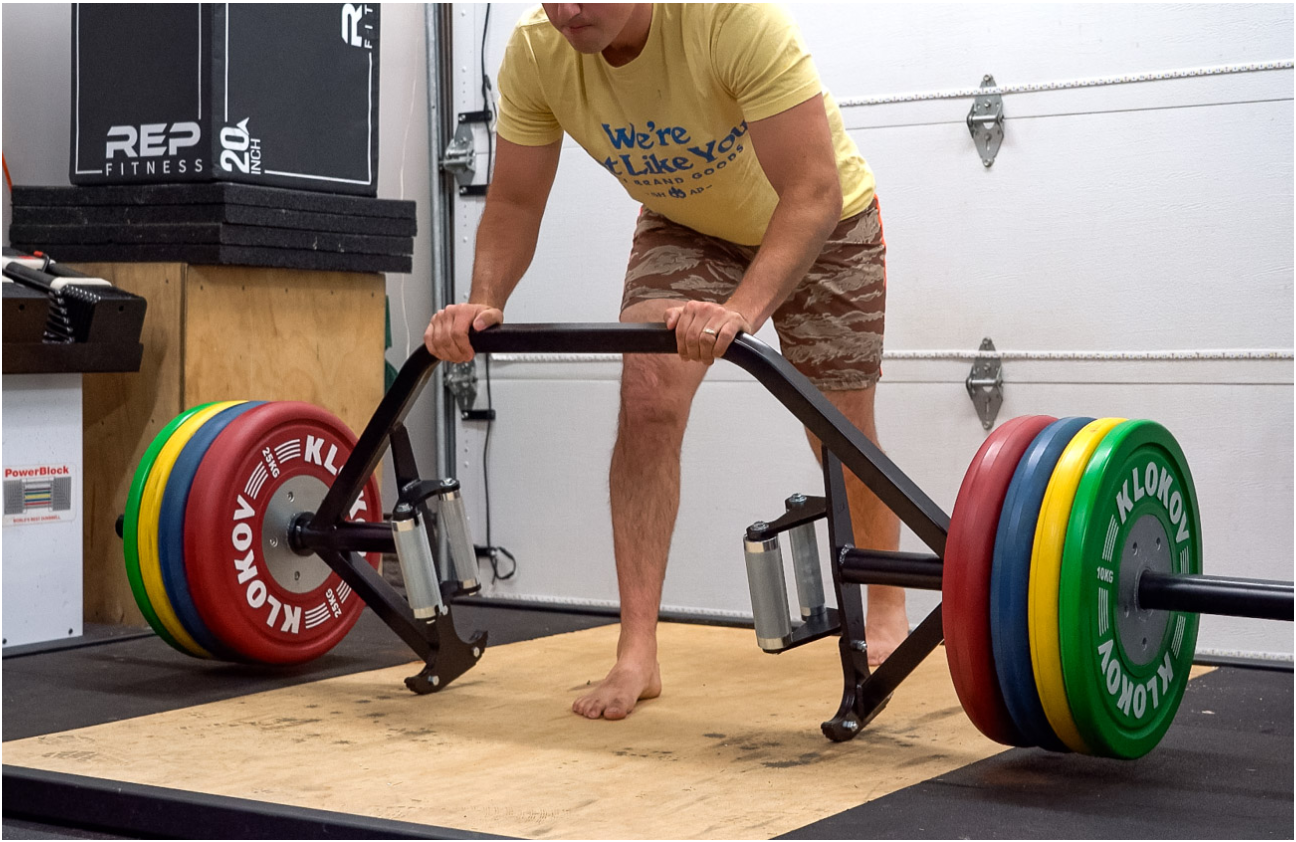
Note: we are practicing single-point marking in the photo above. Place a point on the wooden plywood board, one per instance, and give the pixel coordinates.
(731, 750)
(121, 415)
(259, 334)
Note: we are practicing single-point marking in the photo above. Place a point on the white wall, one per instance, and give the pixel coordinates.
(403, 174)
(36, 113)
(36, 86)
(1130, 218)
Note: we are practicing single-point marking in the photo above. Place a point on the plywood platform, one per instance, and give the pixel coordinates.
(731, 750)
(132, 738)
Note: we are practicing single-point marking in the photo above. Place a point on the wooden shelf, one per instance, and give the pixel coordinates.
(42, 358)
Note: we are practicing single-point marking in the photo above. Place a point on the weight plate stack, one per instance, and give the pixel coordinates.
(150, 510)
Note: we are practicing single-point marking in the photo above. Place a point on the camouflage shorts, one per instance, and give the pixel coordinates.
(829, 328)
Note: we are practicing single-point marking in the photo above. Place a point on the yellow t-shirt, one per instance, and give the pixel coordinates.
(671, 125)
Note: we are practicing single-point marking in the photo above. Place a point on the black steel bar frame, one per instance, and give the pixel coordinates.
(865, 691)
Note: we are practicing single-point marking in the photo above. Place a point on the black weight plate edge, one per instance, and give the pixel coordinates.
(118, 806)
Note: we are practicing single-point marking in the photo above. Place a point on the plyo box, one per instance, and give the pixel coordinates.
(265, 93)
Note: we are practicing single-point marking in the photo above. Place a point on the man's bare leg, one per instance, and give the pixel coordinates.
(876, 527)
(656, 394)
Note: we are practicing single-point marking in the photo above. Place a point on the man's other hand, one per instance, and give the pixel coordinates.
(446, 336)
(704, 330)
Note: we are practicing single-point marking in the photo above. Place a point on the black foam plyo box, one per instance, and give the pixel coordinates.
(263, 93)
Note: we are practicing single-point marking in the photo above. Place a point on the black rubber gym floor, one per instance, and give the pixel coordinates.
(1224, 770)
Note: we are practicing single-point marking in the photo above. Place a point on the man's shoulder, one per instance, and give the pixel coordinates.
(706, 15)
(532, 18)
(534, 26)
(696, 17)
(715, 26)
(536, 43)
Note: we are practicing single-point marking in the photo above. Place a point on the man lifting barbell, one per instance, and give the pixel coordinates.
(756, 206)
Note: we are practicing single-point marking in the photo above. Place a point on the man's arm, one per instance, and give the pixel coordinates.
(795, 150)
(506, 240)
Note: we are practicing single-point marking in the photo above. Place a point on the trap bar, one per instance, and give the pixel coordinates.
(434, 639)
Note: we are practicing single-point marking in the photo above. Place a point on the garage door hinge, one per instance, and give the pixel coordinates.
(460, 155)
(985, 385)
(986, 123)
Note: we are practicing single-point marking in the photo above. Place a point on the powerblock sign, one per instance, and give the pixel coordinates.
(39, 494)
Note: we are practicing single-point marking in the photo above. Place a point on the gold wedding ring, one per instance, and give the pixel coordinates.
(708, 330)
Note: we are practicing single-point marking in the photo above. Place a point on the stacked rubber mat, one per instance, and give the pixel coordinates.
(206, 532)
(215, 224)
(1054, 523)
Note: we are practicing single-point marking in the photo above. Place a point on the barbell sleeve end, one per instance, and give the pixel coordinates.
(1223, 595)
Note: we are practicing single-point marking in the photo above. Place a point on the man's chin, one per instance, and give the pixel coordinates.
(585, 45)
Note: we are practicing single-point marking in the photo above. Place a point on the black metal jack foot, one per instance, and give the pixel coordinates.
(450, 658)
(850, 718)
(841, 727)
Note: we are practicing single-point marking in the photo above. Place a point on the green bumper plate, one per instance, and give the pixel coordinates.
(1126, 668)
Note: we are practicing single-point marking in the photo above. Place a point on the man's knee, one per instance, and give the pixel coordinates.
(656, 393)
(857, 406)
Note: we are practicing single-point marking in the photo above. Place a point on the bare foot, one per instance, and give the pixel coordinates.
(886, 625)
(615, 696)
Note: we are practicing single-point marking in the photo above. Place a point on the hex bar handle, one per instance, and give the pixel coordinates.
(788, 385)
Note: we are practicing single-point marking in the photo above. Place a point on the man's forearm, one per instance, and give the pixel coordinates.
(797, 231)
(506, 241)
